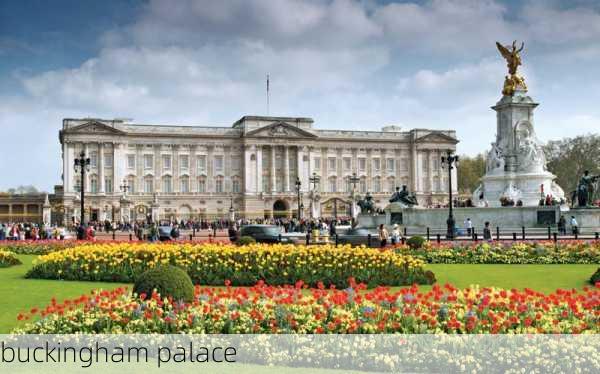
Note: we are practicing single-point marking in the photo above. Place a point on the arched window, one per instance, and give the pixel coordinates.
(219, 185)
(202, 184)
(148, 184)
(235, 185)
(184, 184)
(167, 185)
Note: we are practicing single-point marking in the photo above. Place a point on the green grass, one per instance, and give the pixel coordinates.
(19, 294)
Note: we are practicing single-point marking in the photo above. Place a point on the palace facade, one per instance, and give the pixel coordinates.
(141, 172)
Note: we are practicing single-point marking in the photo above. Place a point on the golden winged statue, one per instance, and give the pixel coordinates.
(513, 60)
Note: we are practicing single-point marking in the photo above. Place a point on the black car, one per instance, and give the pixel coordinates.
(264, 233)
(164, 233)
(359, 236)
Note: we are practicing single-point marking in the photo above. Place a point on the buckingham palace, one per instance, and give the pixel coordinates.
(255, 168)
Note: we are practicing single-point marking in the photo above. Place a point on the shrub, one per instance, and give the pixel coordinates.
(595, 277)
(7, 259)
(245, 240)
(168, 281)
(415, 242)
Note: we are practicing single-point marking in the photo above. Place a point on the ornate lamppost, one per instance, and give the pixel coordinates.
(353, 180)
(82, 165)
(300, 205)
(231, 210)
(450, 161)
(314, 180)
(125, 211)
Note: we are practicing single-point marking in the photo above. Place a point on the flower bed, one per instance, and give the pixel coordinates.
(8, 259)
(212, 264)
(268, 309)
(36, 247)
(535, 252)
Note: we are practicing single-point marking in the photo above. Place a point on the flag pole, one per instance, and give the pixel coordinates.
(267, 94)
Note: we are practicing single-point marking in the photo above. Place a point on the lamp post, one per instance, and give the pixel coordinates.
(314, 180)
(82, 165)
(353, 180)
(231, 210)
(450, 161)
(300, 205)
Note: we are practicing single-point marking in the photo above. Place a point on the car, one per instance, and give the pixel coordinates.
(359, 236)
(265, 233)
(164, 233)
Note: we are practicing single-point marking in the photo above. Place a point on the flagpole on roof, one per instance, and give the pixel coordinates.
(267, 94)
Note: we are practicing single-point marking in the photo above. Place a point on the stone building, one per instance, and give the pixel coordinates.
(181, 172)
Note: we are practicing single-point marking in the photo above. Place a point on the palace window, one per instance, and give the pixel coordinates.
(219, 185)
(108, 185)
(436, 164)
(391, 164)
(425, 162)
(167, 184)
(184, 162)
(93, 184)
(148, 161)
(362, 164)
(331, 164)
(218, 163)
(166, 161)
(94, 159)
(376, 164)
(235, 186)
(436, 184)
(202, 184)
(333, 184)
(77, 184)
(201, 163)
(362, 185)
(404, 164)
(131, 184)
(377, 185)
(130, 161)
(184, 185)
(148, 185)
(347, 163)
(108, 160)
(317, 163)
(391, 184)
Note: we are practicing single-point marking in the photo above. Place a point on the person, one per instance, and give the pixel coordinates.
(562, 225)
(2, 232)
(395, 234)
(383, 235)
(175, 232)
(487, 234)
(232, 232)
(574, 225)
(153, 233)
(469, 226)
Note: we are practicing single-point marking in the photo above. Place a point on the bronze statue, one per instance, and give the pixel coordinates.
(367, 205)
(513, 61)
(403, 197)
(585, 189)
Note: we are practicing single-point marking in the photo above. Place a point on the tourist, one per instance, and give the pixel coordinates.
(562, 225)
(175, 232)
(383, 235)
(469, 226)
(395, 234)
(2, 232)
(574, 226)
(487, 234)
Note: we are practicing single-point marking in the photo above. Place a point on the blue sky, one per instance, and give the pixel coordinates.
(346, 63)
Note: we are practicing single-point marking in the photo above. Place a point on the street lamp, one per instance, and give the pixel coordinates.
(450, 161)
(353, 180)
(82, 164)
(231, 210)
(300, 205)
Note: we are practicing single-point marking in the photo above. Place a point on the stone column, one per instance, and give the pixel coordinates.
(101, 167)
(209, 168)
(259, 170)
(414, 170)
(67, 165)
(118, 167)
(175, 168)
(249, 169)
(273, 179)
(286, 168)
(430, 156)
(86, 185)
(300, 167)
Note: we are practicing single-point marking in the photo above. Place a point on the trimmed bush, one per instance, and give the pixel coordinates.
(245, 240)
(8, 259)
(416, 242)
(595, 277)
(168, 281)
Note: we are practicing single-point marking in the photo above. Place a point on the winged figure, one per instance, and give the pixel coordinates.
(511, 54)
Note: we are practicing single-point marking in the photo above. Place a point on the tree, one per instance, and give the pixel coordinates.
(23, 190)
(470, 171)
(568, 158)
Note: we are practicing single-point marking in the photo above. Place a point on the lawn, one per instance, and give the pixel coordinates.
(20, 294)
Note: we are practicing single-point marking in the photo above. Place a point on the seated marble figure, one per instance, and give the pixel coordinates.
(404, 197)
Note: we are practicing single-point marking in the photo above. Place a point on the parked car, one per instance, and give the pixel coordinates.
(359, 236)
(265, 233)
(164, 233)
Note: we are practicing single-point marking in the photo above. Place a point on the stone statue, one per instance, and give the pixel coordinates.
(403, 197)
(585, 189)
(513, 61)
(367, 205)
(495, 159)
(531, 154)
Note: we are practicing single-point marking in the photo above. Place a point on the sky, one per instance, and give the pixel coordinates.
(348, 64)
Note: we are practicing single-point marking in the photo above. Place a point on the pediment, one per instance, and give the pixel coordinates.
(280, 129)
(436, 137)
(95, 127)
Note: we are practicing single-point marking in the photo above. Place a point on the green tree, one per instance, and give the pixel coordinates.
(470, 170)
(568, 158)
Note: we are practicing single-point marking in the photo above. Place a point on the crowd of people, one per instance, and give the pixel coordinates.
(31, 231)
